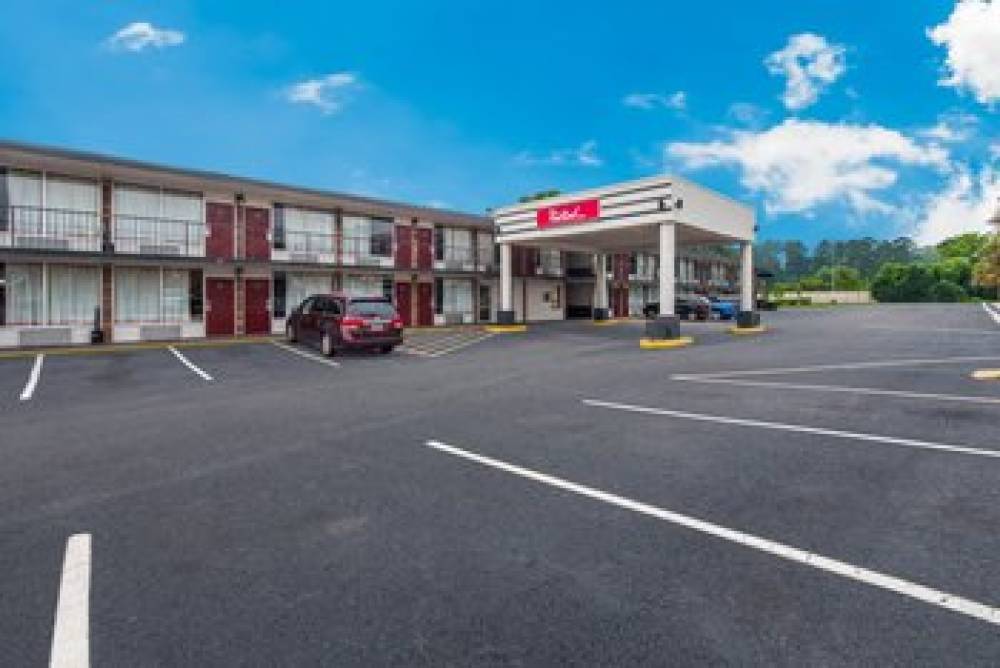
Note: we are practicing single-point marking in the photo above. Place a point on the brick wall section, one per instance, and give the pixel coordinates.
(107, 213)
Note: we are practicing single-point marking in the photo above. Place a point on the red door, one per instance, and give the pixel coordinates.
(404, 247)
(425, 304)
(425, 251)
(219, 218)
(257, 224)
(220, 316)
(257, 315)
(404, 303)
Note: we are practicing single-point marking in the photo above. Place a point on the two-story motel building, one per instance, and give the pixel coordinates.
(130, 251)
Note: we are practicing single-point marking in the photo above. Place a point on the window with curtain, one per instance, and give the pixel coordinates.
(457, 244)
(74, 294)
(23, 294)
(176, 295)
(300, 286)
(367, 237)
(457, 297)
(71, 212)
(24, 192)
(363, 286)
(149, 216)
(308, 231)
(137, 294)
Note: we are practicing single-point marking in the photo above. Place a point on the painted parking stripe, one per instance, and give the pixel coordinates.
(71, 634)
(308, 356)
(843, 389)
(802, 429)
(914, 590)
(186, 362)
(846, 366)
(36, 372)
(993, 311)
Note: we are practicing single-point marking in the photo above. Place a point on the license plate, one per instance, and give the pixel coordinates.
(377, 326)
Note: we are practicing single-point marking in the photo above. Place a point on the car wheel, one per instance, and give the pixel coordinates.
(326, 345)
(385, 350)
(290, 333)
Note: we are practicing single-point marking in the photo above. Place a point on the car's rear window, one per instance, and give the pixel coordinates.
(378, 308)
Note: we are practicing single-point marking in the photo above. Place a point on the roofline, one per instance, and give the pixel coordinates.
(105, 159)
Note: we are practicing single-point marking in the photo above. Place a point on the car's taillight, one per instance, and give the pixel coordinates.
(397, 323)
(352, 323)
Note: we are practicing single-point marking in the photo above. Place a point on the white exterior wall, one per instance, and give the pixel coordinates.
(538, 308)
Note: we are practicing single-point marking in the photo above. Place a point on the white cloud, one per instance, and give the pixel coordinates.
(809, 64)
(140, 35)
(329, 93)
(952, 128)
(964, 205)
(801, 164)
(676, 100)
(584, 155)
(971, 36)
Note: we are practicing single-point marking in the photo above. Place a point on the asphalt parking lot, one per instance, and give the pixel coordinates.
(823, 493)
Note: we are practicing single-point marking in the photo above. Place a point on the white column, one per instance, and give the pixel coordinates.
(667, 274)
(746, 276)
(600, 281)
(506, 279)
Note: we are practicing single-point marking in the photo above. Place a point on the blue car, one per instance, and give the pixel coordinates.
(723, 310)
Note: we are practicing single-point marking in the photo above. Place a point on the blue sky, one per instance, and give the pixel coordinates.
(835, 119)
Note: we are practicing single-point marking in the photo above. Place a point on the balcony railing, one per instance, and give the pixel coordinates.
(373, 251)
(455, 257)
(50, 229)
(308, 246)
(139, 235)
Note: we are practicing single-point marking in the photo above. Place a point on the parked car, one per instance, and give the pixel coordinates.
(722, 309)
(698, 308)
(337, 322)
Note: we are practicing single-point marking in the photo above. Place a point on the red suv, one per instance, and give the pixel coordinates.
(337, 322)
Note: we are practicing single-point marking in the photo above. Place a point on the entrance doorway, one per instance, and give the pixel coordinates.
(485, 305)
(404, 300)
(258, 318)
(220, 311)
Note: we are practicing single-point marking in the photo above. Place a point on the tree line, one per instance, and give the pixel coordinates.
(962, 267)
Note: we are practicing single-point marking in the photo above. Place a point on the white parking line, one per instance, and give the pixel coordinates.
(186, 362)
(36, 371)
(993, 312)
(802, 429)
(836, 367)
(71, 634)
(308, 356)
(840, 388)
(891, 583)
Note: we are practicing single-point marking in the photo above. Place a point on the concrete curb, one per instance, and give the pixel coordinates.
(665, 344)
(744, 331)
(506, 329)
(131, 347)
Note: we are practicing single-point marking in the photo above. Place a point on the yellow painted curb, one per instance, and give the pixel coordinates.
(609, 321)
(664, 344)
(100, 349)
(986, 374)
(747, 330)
(506, 329)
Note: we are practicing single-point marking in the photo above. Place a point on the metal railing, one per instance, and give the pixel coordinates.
(307, 246)
(371, 251)
(455, 257)
(139, 235)
(50, 229)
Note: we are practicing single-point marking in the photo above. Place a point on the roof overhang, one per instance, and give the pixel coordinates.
(628, 217)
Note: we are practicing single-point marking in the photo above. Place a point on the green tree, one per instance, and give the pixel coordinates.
(957, 270)
(986, 273)
(898, 282)
(844, 278)
(966, 246)
(946, 291)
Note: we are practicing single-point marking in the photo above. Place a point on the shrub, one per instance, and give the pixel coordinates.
(946, 291)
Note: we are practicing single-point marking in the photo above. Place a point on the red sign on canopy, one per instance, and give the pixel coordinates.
(568, 213)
